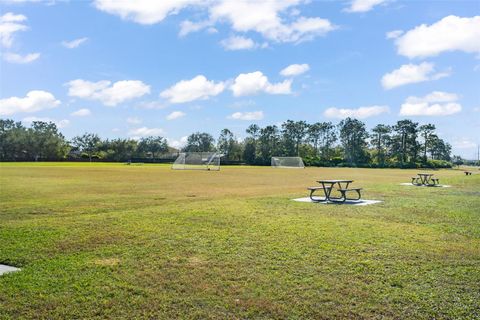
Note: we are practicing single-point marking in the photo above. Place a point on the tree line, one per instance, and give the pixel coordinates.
(406, 144)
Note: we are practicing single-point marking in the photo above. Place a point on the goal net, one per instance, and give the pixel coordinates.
(197, 161)
(287, 162)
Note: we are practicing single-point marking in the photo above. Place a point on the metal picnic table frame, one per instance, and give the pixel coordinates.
(328, 186)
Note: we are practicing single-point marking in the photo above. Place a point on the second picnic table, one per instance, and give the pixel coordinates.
(328, 186)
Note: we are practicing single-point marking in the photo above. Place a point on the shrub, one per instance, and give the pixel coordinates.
(439, 164)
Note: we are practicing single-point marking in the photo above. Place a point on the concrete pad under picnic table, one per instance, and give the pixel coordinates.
(427, 186)
(4, 269)
(362, 202)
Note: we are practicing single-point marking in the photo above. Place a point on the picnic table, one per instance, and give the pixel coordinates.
(425, 179)
(328, 186)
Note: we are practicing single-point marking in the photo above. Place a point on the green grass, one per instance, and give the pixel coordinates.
(116, 241)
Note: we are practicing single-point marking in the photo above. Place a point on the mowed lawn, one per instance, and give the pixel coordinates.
(116, 241)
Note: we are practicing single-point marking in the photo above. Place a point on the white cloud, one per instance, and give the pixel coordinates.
(279, 88)
(295, 70)
(238, 43)
(437, 103)
(145, 132)
(59, 123)
(188, 26)
(144, 11)
(74, 43)
(106, 92)
(438, 96)
(253, 83)
(176, 115)
(12, 17)
(254, 115)
(393, 34)
(305, 29)
(35, 100)
(212, 30)
(81, 113)
(359, 113)
(363, 5)
(452, 33)
(10, 23)
(18, 58)
(178, 144)
(411, 73)
(198, 88)
(134, 120)
(263, 17)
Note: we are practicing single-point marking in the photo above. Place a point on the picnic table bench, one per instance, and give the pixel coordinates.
(425, 179)
(327, 186)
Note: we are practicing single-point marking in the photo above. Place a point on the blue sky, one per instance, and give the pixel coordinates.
(137, 68)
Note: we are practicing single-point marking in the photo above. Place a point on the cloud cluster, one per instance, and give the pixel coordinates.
(20, 59)
(81, 113)
(249, 116)
(295, 70)
(437, 103)
(138, 133)
(74, 43)
(393, 34)
(270, 19)
(238, 43)
(452, 33)
(264, 17)
(143, 11)
(106, 92)
(411, 73)
(198, 88)
(34, 101)
(10, 24)
(363, 5)
(247, 84)
(176, 115)
(359, 113)
(178, 144)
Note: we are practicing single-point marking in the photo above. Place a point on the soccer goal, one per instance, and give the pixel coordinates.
(197, 161)
(287, 162)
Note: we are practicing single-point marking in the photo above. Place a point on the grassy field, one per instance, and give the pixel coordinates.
(116, 241)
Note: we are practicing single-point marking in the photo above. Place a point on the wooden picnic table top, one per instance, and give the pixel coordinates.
(334, 181)
(425, 174)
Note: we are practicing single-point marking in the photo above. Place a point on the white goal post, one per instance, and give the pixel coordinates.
(287, 162)
(197, 161)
